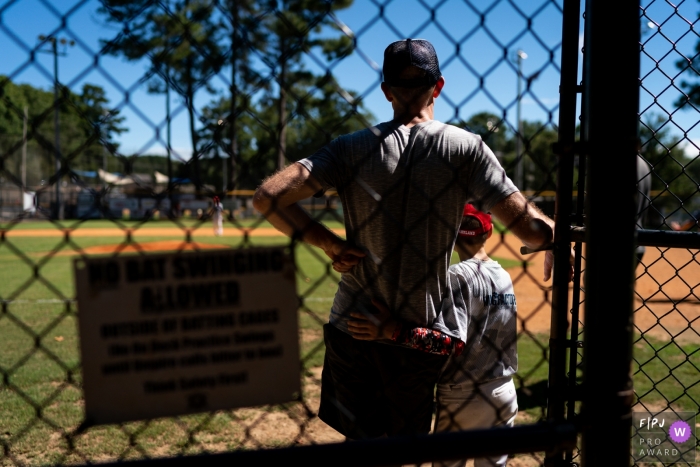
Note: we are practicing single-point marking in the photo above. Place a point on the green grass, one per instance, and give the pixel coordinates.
(666, 373)
(161, 222)
(41, 397)
(40, 357)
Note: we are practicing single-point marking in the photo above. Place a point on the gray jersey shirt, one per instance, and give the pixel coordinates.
(403, 192)
(481, 311)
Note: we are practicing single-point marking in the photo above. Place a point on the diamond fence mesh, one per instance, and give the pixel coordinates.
(121, 121)
(665, 365)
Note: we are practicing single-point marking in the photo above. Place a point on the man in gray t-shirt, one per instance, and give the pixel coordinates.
(403, 185)
(402, 192)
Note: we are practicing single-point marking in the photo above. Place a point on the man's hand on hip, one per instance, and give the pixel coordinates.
(343, 255)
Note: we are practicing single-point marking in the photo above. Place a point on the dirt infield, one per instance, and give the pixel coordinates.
(204, 231)
(162, 245)
(667, 291)
(667, 287)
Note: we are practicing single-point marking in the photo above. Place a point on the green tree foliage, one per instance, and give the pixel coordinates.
(322, 114)
(298, 28)
(148, 165)
(99, 125)
(540, 160)
(538, 157)
(87, 128)
(248, 169)
(690, 68)
(191, 40)
(675, 176)
(296, 111)
(183, 43)
(243, 23)
(493, 131)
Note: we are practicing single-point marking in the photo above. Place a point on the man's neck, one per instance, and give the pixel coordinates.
(411, 118)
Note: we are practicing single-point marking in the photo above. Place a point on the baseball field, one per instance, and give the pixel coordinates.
(40, 397)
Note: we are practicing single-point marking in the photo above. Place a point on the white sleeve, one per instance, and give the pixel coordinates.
(453, 318)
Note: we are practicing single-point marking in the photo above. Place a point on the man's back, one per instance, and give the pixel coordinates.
(403, 191)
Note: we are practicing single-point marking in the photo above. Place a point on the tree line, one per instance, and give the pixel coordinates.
(271, 110)
(89, 129)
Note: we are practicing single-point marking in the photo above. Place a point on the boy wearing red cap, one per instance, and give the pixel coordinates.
(477, 328)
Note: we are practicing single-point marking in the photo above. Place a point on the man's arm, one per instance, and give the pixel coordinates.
(383, 326)
(530, 225)
(525, 220)
(277, 199)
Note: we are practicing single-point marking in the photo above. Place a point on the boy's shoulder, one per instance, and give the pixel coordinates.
(474, 263)
(475, 268)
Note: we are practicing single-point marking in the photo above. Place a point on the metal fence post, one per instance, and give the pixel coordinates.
(612, 135)
(557, 390)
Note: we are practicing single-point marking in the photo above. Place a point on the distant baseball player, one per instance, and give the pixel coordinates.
(475, 389)
(643, 200)
(217, 217)
(403, 185)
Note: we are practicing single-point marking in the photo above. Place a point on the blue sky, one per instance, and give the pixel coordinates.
(480, 57)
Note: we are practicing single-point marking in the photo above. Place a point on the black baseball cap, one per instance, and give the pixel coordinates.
(410, 52)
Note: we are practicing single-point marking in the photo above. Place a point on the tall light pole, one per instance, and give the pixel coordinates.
(24, 148)
(519, 162)
(104, 132)
(54, 50)
(171, 210)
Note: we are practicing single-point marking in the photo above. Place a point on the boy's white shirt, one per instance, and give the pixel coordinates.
(479, 308)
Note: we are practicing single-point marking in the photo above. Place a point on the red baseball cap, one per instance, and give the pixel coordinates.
(483, 218)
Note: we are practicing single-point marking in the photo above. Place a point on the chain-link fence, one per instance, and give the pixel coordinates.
(118, 139)
(665, 301)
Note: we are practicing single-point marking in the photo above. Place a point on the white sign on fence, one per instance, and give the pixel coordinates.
(171, 334)
(28, 201)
